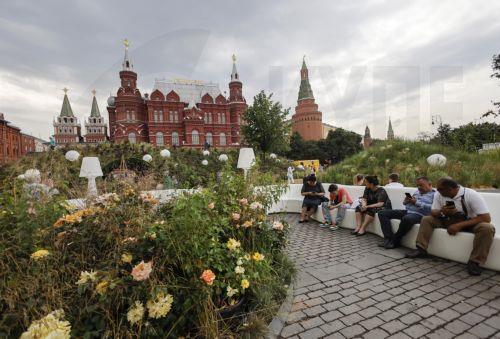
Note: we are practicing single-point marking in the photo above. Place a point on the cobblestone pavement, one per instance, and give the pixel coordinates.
(348, 287)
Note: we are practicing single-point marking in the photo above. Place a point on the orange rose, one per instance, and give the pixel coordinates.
(208, 277)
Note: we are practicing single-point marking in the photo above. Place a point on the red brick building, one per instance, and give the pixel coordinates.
(307, 120)
(96, 129)
(178, 112)
(13, 143)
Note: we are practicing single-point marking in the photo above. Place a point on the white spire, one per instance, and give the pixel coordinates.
(127, 64)
(234, 73)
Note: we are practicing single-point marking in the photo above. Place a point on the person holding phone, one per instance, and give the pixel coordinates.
(313, 194)
(457, 209)
(417, 205)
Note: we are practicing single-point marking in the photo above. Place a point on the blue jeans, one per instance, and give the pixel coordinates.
(340, 213)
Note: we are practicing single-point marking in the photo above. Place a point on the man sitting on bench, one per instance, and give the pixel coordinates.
(457, 208)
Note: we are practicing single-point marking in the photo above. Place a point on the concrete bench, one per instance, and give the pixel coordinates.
(442, 245)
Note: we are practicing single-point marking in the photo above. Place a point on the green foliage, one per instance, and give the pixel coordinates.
(469, 137)
(265, 128)
(338, 145)
(408, 158)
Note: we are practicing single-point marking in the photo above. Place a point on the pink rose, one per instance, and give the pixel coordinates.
(142, 270)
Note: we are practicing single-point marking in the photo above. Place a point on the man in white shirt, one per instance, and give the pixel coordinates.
(394, 181)
(457, 208)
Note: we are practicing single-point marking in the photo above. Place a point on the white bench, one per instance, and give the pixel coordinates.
(442, 245)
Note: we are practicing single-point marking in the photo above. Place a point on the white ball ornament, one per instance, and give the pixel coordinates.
(165, 153)
(206, 153)
(273, 156)
(300, 167)
(204, 162)
(223, 157)
(72, 155)
(436, 160)
(147, 158)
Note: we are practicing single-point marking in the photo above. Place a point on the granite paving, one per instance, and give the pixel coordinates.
(348, 287)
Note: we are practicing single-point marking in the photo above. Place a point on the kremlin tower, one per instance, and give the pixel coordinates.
(95, 127)
(67, 129)
(307, 120)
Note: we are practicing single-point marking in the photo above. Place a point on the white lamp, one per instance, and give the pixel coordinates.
(246, 159)
(165, 153)
(91, 169)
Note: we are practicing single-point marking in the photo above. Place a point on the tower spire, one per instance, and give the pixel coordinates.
(234, 73)
(367, 132)
(66, 110)
(95, 108)
(305, 91)
(390, 132)
(127, 64)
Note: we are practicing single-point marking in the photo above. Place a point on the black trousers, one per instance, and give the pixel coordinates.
(407, 221)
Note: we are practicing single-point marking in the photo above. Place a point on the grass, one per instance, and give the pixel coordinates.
(408, 158)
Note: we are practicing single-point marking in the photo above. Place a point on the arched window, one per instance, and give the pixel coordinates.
(219, 118)
(128, 115)
(160, 113)
(155, 116)
(131, 138)
(176, 116)
(209, 138)
(222, 138)
(209, 118)
(195, 137)
(159, 139)
(223, 118)
(206, 118)
(175, 138)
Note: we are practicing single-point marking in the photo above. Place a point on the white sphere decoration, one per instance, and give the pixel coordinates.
(206, 153)
(165, 153)
(72, 155)
(273, 156)
(32, 175)
(436, 160)
(204, 162)
(223, 157)
(147, 158)
(300, 167)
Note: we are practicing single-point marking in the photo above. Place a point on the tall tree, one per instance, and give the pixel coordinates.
(265, 126)
(495, 65)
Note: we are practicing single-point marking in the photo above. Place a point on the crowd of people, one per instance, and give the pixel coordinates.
(449, 205)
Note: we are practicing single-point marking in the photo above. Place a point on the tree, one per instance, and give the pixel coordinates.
(265, 126)
(495, 65)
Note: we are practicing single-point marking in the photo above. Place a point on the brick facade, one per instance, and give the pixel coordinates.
(177, 113)
(13, 143)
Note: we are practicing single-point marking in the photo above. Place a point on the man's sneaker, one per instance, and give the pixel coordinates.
(384, 243)
(418, 253)
(324, 224)
(333, 227)
(473, 268)
(390, 245)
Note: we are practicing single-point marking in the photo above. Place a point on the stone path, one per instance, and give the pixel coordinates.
(348, 287)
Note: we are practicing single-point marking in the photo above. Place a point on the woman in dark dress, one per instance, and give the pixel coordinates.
(374, 199)
(313, 191)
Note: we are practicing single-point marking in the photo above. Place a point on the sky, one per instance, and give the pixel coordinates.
(368, 60)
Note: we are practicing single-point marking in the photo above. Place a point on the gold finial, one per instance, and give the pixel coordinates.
(126, 43)
(65, 90)
(94, 92)
(234, 58)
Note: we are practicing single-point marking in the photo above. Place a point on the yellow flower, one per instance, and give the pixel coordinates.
(102, 287)
(257, 256)
(40, 254)
(85, 277)
(233, 244)
(161, 306)
(51, 326)
(135, 313)
(245, 283)
(248, 223)
(127, 258)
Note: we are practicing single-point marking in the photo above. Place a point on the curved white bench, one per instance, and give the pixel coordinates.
(442, 245)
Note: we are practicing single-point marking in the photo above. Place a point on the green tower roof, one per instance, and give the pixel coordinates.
(95, 109)
(305, 91)
(66, 110)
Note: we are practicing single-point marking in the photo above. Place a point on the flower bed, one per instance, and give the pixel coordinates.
(127, 266)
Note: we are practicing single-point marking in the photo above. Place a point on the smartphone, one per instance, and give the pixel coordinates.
(450, 203)
(408, 195)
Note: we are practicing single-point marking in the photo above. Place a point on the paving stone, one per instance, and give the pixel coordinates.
(332, 327)
(312, 333)
(314, 302)
(416, 331)
(371, 323)
(494, 322)
(295, 316)
(457, 327)
(291, 330)
(393, 326)
(349, 309)
(485, 311)
(433, 322)
(426, 311)
(334, 305)
(376, 333)
(332, 315)
(312, 322)
(448, 315)
(315, 294)
(352, 331)
(369, 312)
(350, 299)
(366, 303)
(333, 271)
(385, 305)
(441, 304)
(313, 311)
(472, 318)
(332, 297)
(389, 315)
(466, 336)
(441, 334)
(399, 335)
(482, 330)
(410, 318)
(351, 319)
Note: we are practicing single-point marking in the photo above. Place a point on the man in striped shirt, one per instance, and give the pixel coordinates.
(417, 206)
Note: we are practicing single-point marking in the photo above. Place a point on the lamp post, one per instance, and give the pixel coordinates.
(91, 169)
(246, 159)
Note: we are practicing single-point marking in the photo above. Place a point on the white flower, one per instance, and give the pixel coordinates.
(85, 277)
(272, 156)
(239, 270)
(204, 162)
(239, 262)
(206, 153)
(135, 313)
(278, 226)
(255, 205)
(147, 158)
(231, 291)
(223, 157)
(51, 326)
(161, 306)
(165, 153)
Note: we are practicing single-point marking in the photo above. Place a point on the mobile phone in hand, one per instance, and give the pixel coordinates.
(408, 195)
(450, 204)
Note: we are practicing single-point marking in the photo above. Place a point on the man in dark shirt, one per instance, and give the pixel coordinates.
(313, 191)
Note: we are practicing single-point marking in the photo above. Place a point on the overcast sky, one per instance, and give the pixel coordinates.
(368, 60)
